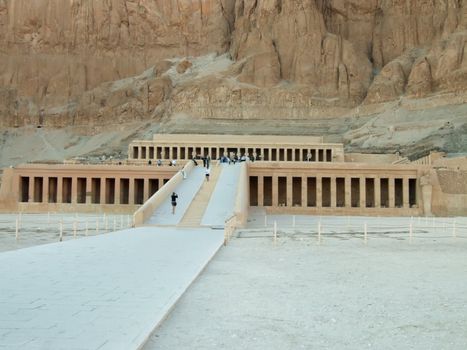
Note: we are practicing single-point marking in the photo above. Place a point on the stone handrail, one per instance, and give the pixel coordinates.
(148, 208)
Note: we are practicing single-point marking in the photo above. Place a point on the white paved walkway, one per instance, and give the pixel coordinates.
(186, 192)
(102, 292)
(222, 203)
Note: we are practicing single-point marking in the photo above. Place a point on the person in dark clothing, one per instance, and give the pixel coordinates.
(174, 197)
(194, 161)
(204, 162)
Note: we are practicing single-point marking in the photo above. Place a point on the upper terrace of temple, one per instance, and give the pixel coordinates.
(259, 147)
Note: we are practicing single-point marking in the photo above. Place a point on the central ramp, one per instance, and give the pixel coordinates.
(222, 203)
(186, 191)
(102, 292)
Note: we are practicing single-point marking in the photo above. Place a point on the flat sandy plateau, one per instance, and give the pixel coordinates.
(392, 293)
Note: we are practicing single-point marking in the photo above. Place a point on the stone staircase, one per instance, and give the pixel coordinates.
(195, 211)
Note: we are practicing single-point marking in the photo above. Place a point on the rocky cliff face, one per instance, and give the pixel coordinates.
(93, 62)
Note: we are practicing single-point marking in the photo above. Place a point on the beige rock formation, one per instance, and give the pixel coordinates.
(80, 62)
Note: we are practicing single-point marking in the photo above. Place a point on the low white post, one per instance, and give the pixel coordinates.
(74, 229)
(275, 232)
(265, 220)
(293, 221)
(17, 229)
(115, 224)
(410, 232)
(48, 217)
(97, 226)
(454, 229)
(121, 221)
(106, 222)
(86, 232)
(61, 230)
(128, 221)
(319, 232)
(365, 233)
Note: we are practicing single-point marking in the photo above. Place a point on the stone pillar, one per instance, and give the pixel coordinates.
(140, 153)
(260, 191)
(103, 190)
(45, 189)
(117, 191)
(74, 190)
(171, 153)
(275, 191)
(377, 192)
(348, 192)
(319, 191)
(146, 190)
(333, 192)
(304, 191)
(391, 191)
(131, 191)
(88, 190)
(405, 193)
(60, 189)
(289, 191)
(179, 155)
(293, 154)
(31, 189)
(362, 192)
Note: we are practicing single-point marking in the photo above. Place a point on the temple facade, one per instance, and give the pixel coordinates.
(286, 174)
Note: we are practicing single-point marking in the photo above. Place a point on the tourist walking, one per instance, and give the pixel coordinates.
(174, 197)
(208, 162)
(207, 172)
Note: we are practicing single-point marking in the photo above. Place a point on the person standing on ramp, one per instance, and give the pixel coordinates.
(174, 197)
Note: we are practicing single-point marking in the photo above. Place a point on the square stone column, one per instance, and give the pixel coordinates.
(45, 189)
(289, 191)
(391, 190)
(260, 191)
(405, 193)
(333, 192)
(171, 153)
(74, 190)
(131, 191)
(319, 191)
(348, 192)
(31, 189)
(117, 191)
(146, 190)
(377, 192)
(140, 152)
(293, 154)
(103, 190)
(275, 191)
(304, 191)
(179, 155)
(60, 189)
(88, 190)
(362, 192)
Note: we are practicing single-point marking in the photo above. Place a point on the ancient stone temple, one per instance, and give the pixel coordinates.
(285, 174)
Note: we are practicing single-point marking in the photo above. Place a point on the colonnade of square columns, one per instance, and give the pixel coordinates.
(141, 152)
(88, 190)
(334, 191)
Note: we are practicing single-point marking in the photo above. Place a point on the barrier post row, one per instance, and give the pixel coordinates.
(61, 230)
